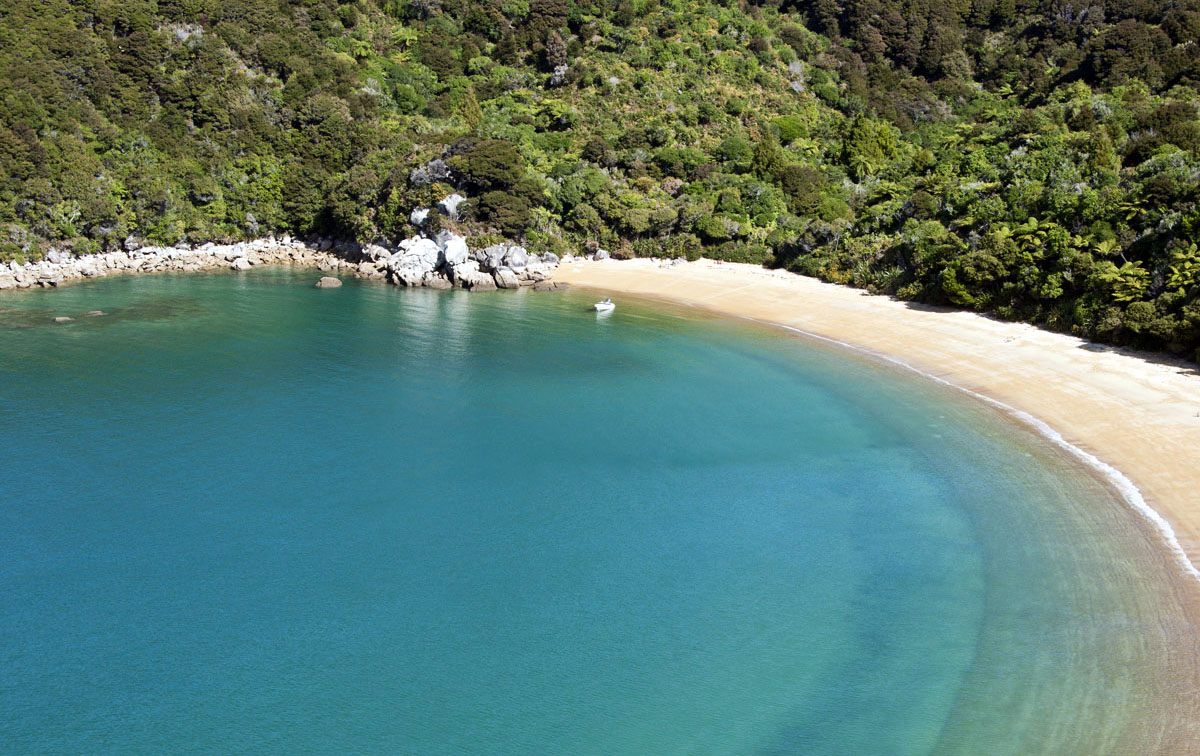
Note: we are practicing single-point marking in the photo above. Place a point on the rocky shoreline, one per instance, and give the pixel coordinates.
(442, 262)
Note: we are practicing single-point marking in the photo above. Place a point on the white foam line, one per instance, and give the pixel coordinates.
(1117, 479)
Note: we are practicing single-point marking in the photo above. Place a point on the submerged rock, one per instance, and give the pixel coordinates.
(328, 282)
(63, 319)
(551, 286)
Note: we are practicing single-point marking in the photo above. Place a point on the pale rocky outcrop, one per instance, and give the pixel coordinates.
(417, 261)
(505, 278)
(491, 258)
(516, 258)
(467, 275)
(449, 206)
(455, 251)
(328, 282)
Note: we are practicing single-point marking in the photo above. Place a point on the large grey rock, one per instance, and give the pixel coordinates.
(449, 206)
(549, 258)
(418, 216)
(490, 258)
(533, 273)
(467, 275)
(240, 264)
(376, 252)
(328, 282)
(462, 271)
(433, 171)
(409, 275)
(601, 254)
(58, 256)
(7, 281)
(516, 258)
(454, 250)
(87, 267)
(435, 280)
(426, 251)
(505, 278)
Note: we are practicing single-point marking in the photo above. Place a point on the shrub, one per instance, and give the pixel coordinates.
(802, 186)
(489, 165)
(508, 212)
(790, 128)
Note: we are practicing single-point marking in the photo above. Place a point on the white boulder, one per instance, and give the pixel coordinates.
(449, 206)
(516, 258)
(454, 249)
(505, 278)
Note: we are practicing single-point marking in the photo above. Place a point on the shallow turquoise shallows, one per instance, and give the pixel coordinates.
(241, 514)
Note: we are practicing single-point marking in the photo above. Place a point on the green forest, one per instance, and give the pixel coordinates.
(1034, 159)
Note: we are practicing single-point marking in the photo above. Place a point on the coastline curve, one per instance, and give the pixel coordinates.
(968, 346)
(1117, 480)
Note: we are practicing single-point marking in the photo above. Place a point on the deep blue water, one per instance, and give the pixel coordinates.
(240, 514)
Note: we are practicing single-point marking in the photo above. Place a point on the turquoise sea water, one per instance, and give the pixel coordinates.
(239, 514)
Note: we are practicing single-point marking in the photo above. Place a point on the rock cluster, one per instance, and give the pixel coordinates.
(59, 266)
(442, 262)
(447, 260)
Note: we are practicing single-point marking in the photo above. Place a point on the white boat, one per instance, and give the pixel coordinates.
(605, 306)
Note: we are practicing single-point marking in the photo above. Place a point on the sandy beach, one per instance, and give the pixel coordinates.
(1139, 414)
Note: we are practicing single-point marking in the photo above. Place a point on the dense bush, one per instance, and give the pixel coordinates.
(1036, 161)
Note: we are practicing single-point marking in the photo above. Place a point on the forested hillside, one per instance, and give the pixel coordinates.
(1035, 159)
